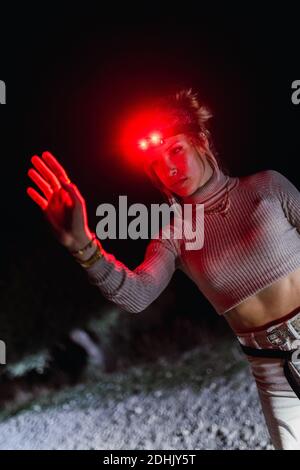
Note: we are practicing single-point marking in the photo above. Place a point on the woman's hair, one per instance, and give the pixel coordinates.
(183, 111)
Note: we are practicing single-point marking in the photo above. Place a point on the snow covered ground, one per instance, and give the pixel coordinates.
(204, 399)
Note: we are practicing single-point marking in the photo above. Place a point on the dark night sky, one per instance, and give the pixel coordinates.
(71, 76)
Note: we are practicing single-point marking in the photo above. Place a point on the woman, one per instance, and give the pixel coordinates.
(248, 267)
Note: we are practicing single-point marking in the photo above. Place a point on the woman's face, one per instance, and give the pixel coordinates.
(179, 166)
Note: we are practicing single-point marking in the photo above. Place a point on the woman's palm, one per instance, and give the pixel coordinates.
(63, 205)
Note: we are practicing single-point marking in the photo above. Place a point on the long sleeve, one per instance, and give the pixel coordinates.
(289, 197)
(134, 290)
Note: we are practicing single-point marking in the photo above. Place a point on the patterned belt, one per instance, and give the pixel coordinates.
(288, 332)
(279, 335)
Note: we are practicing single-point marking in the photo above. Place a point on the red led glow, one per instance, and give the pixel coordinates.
(145, 129)
(142, 131)
(143, 144)
(156, 138)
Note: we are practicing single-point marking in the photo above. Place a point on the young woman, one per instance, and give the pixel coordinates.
(248, 267)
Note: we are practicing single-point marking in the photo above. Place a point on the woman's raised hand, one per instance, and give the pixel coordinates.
(63, 205)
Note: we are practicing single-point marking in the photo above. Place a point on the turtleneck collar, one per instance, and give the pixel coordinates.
(214, 189)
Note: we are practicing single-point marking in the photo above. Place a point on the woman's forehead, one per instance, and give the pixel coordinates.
(173, 140)
(168, 143)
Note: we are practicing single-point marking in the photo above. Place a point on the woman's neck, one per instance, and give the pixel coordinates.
(214, 187)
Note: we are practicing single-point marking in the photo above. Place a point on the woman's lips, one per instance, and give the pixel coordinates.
(180, 182)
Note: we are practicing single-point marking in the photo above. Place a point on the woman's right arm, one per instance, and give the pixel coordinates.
(135, 290)
(65, 210)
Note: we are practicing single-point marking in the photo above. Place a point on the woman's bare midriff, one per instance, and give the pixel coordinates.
(271, 303)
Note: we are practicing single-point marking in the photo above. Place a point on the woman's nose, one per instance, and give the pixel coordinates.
(170, 167)
(172, 171)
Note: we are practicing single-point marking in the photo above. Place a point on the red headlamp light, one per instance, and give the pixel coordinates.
(148, 130)
(153, 140)
(156, 138)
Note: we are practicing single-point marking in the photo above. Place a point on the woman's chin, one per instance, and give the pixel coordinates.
(185, 188)
(184, 191)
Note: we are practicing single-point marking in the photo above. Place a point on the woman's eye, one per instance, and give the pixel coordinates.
(176, 149)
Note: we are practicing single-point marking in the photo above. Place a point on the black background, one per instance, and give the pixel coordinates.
(71, 76)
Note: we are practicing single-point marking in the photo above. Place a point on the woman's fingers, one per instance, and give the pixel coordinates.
(56, 167)
(73, 191)
(40, 182)
(45, 172)
(65, 198)
(43, 203)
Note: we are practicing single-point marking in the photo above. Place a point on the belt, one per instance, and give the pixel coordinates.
(291, 365)
(285, 339)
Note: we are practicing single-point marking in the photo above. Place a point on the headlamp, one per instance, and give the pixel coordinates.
(153, 140)
(157, 138)
(148, 130)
